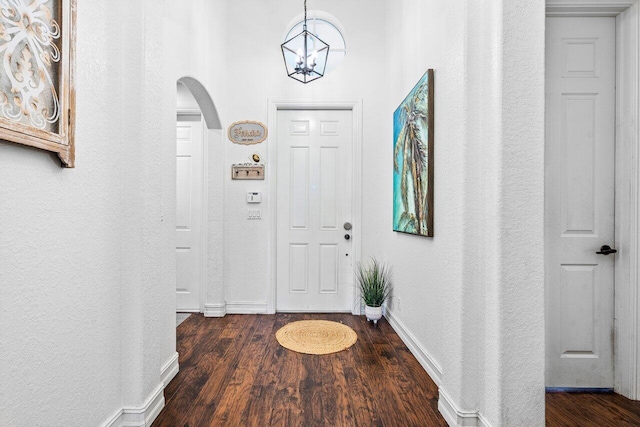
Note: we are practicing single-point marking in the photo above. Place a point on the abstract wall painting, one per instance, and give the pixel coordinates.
(413, 160)
(37, 99)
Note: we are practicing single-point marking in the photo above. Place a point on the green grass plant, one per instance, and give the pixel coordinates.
(374, 281)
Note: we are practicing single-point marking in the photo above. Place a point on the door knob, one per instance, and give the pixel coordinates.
(606, 250)
(347, 237)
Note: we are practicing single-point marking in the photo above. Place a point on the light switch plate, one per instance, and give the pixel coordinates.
(254, 214)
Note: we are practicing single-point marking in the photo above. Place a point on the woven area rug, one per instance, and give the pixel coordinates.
(316, 336)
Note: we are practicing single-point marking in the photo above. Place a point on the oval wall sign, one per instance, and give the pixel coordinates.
(247, 132)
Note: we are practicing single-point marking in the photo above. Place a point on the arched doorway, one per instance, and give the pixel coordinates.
(199, 192)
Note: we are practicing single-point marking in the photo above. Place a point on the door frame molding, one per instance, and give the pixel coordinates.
(627, 185)
(355, 106)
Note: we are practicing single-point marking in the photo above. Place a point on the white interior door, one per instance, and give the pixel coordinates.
(314, 192)
(189, 212)
(579, 201)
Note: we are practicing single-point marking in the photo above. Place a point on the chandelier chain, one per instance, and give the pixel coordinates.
(305, 13)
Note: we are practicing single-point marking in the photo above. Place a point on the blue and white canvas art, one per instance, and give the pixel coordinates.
(413, 160)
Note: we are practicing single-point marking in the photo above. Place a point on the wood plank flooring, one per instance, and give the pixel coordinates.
(233, 372)
(591, 409)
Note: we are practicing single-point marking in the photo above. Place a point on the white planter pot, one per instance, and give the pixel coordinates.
(373, 313)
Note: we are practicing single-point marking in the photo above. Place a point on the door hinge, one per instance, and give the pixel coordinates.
(613, 341)
(69, 116)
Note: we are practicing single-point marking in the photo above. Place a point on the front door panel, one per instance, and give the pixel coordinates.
(314, 269)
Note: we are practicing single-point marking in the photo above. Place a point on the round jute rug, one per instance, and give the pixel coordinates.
(316, 336)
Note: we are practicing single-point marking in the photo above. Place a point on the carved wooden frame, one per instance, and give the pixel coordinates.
(39, 38)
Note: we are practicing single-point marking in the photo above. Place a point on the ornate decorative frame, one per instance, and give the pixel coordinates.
(37, 57)
(257, 132)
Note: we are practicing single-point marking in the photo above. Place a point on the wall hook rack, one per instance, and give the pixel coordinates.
(247, 171)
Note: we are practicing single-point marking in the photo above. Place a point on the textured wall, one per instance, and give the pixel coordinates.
(85, 275)
(247, 94)
(521, 280)
(61, 253)
(196, 39)
(483, 269)
(427, 271)
(227, 33)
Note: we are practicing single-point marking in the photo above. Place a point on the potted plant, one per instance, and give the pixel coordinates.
(375, 285)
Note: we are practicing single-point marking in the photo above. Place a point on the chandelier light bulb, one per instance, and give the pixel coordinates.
(314, 56)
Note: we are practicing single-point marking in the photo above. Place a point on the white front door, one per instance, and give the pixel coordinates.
(314, 162)
(579, 201)
(189, 212)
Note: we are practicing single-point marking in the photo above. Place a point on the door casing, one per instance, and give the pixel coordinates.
(356, 178)
(627, 209)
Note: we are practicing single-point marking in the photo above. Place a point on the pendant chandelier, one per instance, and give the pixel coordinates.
(305, 55)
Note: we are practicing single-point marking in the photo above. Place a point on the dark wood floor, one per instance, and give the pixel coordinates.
(591, 409)
(234, 373)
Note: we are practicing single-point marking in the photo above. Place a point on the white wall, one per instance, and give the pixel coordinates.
(427, 271)
(185, 99)
(217, 45)
(481, 276)
(196, 37)
(470, 299)
(361, 75)
(86, 275)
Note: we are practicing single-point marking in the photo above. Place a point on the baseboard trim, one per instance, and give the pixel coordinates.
(246, 308)
(169, 370)
(453, 415)
(114, 421)
(427, 362)
(140, 416)
(145, 415)
(215, 310)
(456, 417)
(482, 421)
(450, 412)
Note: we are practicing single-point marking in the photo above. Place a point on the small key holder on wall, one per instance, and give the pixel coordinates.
(247, 171)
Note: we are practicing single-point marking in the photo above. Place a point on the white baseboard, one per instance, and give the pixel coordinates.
(215, 310)
(115, 420)
(246, 308)
(456, 417)
(145, 415)
(482, 421)
(140, 416)
(450, 412)
(169, 370)
(427, 362)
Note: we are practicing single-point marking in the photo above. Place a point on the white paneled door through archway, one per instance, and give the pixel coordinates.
(189, 222)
